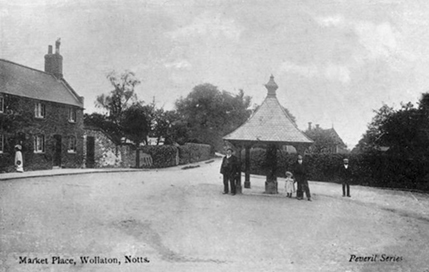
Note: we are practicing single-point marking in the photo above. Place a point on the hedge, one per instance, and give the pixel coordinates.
(168, 155)
(190, 153)
(378, 169)
(162, 155)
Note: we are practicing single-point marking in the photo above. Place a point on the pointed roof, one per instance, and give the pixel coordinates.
(269, 124)
(27, 82)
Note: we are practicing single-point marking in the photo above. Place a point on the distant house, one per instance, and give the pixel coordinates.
(326, 141)
(40, 111)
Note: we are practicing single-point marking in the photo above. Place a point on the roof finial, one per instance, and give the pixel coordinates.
(271, 86)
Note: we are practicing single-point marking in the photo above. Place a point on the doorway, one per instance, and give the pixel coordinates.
(57, 151)
(90, 152)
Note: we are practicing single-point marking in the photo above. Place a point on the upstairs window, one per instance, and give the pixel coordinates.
(39, 143)
(72, 115)
(1, 104)
(72, 145)
(39, 110)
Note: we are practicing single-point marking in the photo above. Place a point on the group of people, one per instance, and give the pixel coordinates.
(230, 170)
(299, 175)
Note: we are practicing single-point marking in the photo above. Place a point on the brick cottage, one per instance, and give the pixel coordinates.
(42, 112)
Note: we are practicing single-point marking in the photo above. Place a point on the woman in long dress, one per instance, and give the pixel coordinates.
(19, 165)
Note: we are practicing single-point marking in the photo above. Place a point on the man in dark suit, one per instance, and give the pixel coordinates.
(346, 176)
(300, 172)
(229, 170)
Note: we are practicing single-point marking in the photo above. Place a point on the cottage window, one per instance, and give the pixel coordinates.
(40, 110)
(72, 145)
(1, 104)
(39, 143)
(72, 115)
(1, 143)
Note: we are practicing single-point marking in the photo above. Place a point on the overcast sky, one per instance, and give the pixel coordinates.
(334, 61)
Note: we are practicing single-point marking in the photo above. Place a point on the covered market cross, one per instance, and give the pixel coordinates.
(271, 127)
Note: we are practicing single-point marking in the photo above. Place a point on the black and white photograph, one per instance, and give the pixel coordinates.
(214, 135)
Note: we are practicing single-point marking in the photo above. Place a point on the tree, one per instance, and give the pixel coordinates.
(135, 126)
(163, 125)
(405, 131)
(210, 114)
(371, 139)
(115, 103)
(121, 97)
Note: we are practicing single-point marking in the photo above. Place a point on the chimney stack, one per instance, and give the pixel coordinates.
(309, 126)
(54, 62)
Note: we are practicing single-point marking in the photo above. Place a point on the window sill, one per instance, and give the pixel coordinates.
(39, 152)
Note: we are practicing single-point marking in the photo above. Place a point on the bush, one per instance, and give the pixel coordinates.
(162, 155)
(191, 152)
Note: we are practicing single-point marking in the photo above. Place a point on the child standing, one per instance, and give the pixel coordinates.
(289, 186)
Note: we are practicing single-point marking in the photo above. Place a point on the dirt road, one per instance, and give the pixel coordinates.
(178, 220)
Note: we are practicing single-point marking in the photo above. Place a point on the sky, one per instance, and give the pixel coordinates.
(335, 61)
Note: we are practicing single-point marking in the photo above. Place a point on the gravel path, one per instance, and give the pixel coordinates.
(178, 220)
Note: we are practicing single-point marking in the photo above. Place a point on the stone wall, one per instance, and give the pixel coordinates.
(107, 154)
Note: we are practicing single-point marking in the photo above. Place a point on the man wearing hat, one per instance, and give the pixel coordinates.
(300, 172)
(229, 170)
(346, 177)
(18, 159)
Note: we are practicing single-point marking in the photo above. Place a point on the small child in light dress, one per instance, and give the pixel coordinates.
(289, 186)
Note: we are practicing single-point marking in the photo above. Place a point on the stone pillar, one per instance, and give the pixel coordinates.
(271, 164)
(247, 168)
(238, 180)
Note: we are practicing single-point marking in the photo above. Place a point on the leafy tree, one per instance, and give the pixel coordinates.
(135, 126)
(404, 131)
(121, 97)
(210, 114)
(371, 139)
(163, 125)
(115, 103)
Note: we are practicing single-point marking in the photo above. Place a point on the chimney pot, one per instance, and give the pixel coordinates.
(57, 46)
(54, 62)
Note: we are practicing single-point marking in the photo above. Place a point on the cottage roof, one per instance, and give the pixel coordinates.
(16, 79)
(333, 133)
(269, 124)
(330, 133)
